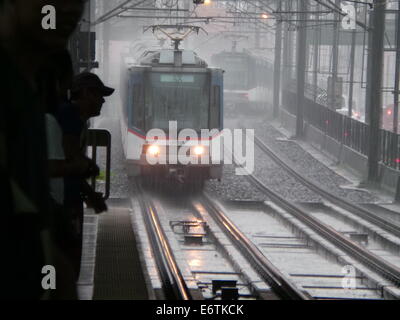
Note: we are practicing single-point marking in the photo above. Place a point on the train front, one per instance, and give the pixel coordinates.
(176, 117)
(247, 82)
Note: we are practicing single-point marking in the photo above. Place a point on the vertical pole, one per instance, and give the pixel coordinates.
(186, 6)
(374, 94)
(285, 60)
(289, 64)
(397, 74)
(317, 31)
(89, 44)
(301, 66)
(94, 155)
(352, 59)
(106, 42)
(397, 194)
(277, 64)
(285, 57)
(335, 60)
(369, 67)
(290, 56)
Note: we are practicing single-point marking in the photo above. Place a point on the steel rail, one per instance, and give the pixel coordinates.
(170, 273)
(381, 266)
(386, 224)
(283, 287)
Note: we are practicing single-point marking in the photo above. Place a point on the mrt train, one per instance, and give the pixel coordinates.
(175, 93)
(248, 83)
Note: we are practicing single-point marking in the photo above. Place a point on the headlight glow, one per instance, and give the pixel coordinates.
(198, 150)
(153, 150)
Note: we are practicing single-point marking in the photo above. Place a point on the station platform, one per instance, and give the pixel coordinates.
(111, 267)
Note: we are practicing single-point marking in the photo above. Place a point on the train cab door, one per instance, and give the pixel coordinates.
(216, 99)
(136, 113)
(216, 121)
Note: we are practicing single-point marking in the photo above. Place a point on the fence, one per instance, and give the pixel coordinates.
(350, 132)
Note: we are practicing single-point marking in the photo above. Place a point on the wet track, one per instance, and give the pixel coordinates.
(309, 262)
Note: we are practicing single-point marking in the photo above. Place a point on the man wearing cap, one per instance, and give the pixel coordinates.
(88, 92)
(87, 99)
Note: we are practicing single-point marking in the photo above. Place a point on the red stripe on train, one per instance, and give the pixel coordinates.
(167, 138)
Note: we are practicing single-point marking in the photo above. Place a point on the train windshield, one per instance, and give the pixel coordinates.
(180, 97)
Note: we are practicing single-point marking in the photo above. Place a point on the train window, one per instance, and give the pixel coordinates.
(177, 97)
(177, 78)
(138, 110)
(215, 107)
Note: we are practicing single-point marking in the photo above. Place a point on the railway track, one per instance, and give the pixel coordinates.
(374, 262)
(314, 265)
(386, 224)
(283, 286)
(174, 283)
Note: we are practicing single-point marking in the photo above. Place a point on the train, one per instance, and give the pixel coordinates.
(248, 83)
(174, 93)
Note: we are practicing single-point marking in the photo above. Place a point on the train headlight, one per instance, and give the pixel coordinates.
(153, 150)
(198, 150)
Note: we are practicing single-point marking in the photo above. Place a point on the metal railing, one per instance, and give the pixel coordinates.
(347, 131)
(101, 138)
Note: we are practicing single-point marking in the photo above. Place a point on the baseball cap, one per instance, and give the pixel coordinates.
(90, 80)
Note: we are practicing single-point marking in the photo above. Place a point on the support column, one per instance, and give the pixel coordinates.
(332, 102)
(285, 53)
(374, 94)
(369, 68)
(317, 36)
(352, 59)
(301, 66)
(106, 44)
(397, 74)
(277, 65)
